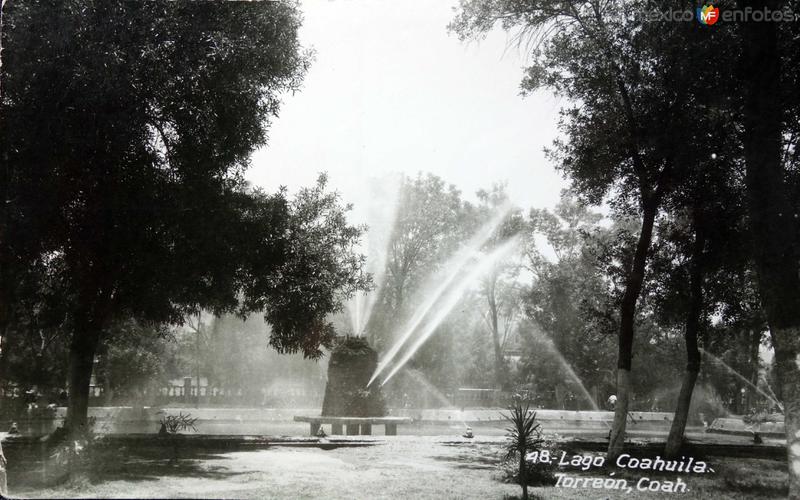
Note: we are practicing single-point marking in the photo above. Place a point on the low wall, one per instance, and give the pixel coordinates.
(738, 426)
(548, 418)
(125, 419)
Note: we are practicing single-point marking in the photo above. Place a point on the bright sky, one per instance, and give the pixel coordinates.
(391, 90)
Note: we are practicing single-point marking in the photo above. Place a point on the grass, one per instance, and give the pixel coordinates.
(406, 467)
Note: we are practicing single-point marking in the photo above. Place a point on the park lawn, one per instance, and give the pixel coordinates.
(405, 468)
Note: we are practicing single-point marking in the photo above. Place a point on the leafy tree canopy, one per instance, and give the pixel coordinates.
(126, 128)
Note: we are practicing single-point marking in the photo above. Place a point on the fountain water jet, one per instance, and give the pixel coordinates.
(450, 301)
(547, 341)
(766, 384)
(422, 381)
(381, 215)
(454, 266)
(742, 378)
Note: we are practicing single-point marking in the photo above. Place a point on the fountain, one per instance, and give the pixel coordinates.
(350, 392)
(548, 342)
(441, 283)
(348, 402)
(426, 389)
(445, 306)
(743, 378)
(381, 213)
(757, 425)
(356, 376)
(352, 362)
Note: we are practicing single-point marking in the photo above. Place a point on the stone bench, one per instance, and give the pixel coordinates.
(354, 425)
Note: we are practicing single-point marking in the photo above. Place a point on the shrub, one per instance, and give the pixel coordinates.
(171, 425)
(523, 436)
(536, 474)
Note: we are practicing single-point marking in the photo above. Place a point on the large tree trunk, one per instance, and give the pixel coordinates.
(754, 339)
(3, 480)
(787, 357)
(197, 363)
(6, 287)
(3, 340)
(693, 321)
(85, 339)
(771, 218)
(676, 432)
(2, 11)
(633, 288)
(5, 260)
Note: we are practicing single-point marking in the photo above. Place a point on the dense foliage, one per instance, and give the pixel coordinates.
(126, 128)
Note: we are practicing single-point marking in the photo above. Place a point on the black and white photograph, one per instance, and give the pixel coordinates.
(384, 249)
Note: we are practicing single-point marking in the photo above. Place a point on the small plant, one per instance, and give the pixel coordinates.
(173, 424)
(523, 436)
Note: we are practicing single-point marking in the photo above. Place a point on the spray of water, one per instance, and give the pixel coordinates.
(354, 307)
(453, 268)
(742, 378)
(381, 214)
(548, 342)
(422, 381)
(449, 302)
(766, 384)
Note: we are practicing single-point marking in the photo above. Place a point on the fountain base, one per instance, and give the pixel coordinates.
(351, 365)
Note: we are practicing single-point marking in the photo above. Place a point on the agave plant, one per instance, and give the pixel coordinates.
(523, 436)
(171, 425)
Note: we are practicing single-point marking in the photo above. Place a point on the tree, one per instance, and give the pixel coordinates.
(630, 113)
(587, 58)
(699, 237)
(200, 337)
(499, 286)
(700, 272)
(128, 134)
(131, 357)
(573, 304)
(431, 221)
(770, 156)
(34, 350)
(235, 358)
(568, 297)
(316, 271)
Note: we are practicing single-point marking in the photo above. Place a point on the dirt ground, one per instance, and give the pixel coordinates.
(406, 467)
